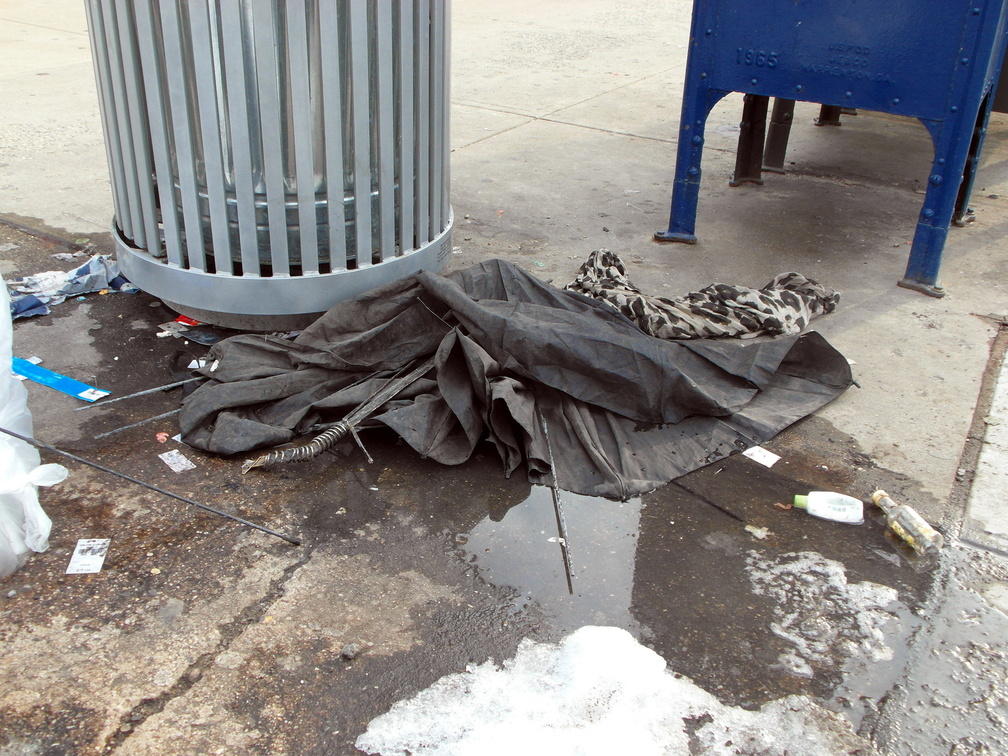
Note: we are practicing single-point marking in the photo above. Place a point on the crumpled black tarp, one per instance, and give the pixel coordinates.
(625, 412)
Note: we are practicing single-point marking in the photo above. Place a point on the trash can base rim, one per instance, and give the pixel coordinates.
(260, 303)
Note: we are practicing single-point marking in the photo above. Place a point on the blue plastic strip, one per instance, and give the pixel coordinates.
(56, 381)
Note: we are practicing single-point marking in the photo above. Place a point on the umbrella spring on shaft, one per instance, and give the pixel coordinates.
(313, 448)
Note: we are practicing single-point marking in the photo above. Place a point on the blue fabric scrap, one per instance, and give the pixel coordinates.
(35, 295)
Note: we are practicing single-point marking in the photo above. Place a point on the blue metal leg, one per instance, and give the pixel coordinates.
(686, 188)
(951, 152)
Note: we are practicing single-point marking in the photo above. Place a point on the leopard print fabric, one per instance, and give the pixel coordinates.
(783, 306)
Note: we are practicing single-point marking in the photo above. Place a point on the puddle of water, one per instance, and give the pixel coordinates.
(523, 551)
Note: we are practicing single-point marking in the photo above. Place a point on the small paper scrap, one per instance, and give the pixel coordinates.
(759, 533)
(172, 328)
(89, 556)
(764, 456)
(177, 461)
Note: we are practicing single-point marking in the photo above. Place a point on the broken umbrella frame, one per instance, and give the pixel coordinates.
(498, 303)
(348, 425)
(337, 431)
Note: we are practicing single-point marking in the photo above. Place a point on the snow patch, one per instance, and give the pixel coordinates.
(826, 619)
(596, 692)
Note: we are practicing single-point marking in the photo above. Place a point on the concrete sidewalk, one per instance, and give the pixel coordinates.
(564, 133)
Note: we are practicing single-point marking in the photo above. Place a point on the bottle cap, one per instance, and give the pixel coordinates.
(801, 502)
(875, 497)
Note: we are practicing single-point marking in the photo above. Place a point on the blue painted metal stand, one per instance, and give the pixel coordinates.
(934, 60)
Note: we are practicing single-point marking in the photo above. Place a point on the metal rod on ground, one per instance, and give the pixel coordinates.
(138, 423)
(167, 386)
(558, 507)
(204, 507)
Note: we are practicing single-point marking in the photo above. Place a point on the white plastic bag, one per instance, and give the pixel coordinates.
(24, 526)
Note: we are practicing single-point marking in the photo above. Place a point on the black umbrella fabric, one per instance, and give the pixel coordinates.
(625, 412)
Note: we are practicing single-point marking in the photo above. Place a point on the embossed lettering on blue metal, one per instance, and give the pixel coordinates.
(934, 60)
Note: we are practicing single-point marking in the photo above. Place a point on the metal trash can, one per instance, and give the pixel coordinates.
(271, 158)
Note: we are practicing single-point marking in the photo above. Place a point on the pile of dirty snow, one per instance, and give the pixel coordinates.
(596, 692)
